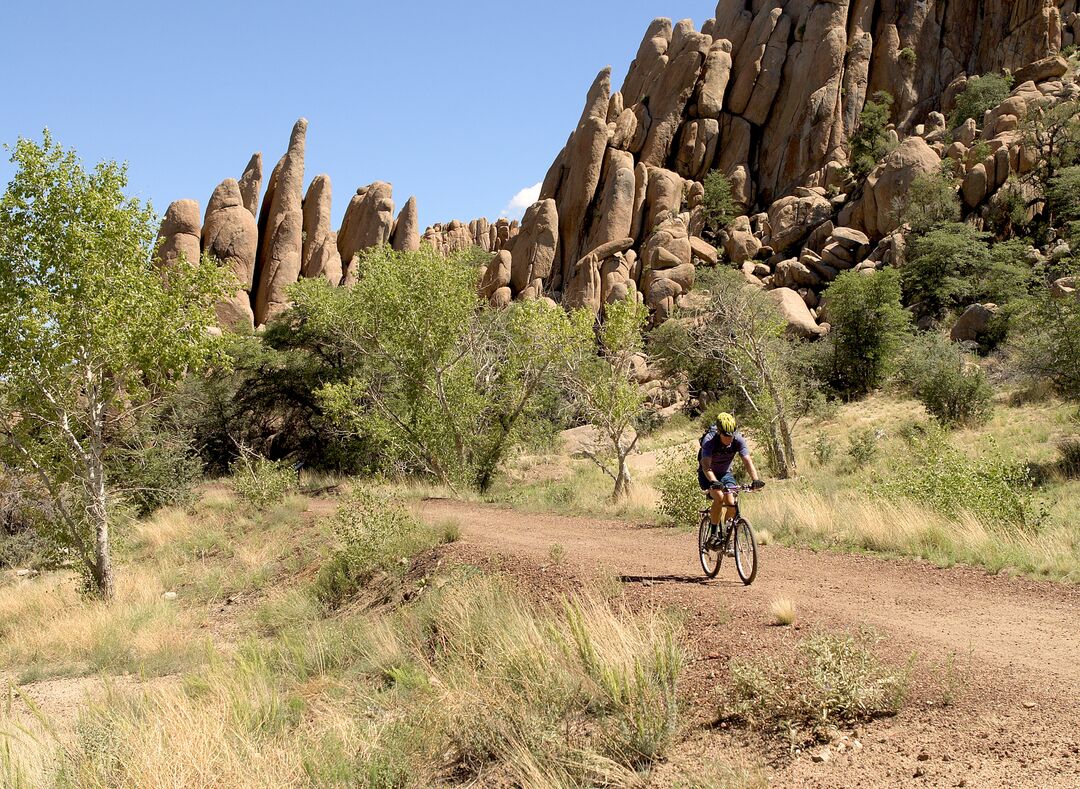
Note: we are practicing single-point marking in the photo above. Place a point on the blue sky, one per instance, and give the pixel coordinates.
(461, 104)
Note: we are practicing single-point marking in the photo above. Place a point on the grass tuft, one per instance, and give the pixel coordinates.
(782, 610)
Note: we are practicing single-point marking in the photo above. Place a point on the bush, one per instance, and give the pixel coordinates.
(153, 464)
(932, 472)
(870, 142)
(947, 382)
(863, 446)
(261, 482)
(718, 207)
(823, 449)
(1045, 343)
(979, 95)
(868, 329)
(677, 484)
(931, 201)
(833, 680)
(374, 532)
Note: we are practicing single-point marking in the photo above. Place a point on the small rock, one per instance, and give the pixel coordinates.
(919, 773)
(924, 757)
(22, 573)
(169, 596)
(821, 757)
(1029, 705)
(646, 582)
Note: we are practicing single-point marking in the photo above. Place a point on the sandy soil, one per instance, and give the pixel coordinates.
(995, 698)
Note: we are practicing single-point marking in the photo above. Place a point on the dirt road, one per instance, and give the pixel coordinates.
(995, 698)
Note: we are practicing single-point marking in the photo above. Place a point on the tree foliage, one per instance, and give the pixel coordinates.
(718, 207)
(1052, 131)
(871, 141)
(437, 382)
(931, 201)
(603, 389)
(868, 328)
(90, 332)
(979, 95)
(1045, 342)
(947, 381)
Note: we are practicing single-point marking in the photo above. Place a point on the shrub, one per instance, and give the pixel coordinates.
(868, 328)
(261, 482)
(863, 446)
(823, 449)
(153, 464)
(931, 201)
(783, 611)
(374, 533)
(993, 489)
(718, 207)
(870, 142)
(833, 680)
(947, 382)
(1045, 343)
(677, 484)
(979, 95)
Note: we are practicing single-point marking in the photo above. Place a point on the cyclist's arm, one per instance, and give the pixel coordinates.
(706, 468)
(748, 464)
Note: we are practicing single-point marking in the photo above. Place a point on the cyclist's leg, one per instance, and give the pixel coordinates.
(716, 511)
(727, 504)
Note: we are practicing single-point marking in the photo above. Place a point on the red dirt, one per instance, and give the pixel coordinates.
(1012, 643)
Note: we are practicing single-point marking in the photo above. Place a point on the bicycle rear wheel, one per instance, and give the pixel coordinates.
(746, 558)
(711, 557)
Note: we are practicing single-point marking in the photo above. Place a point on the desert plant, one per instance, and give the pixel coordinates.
(823, 449)
(782, 610)
(870, 142)
(930, 201)
(863, 446)
(677, 484)
(718, 206)
(952, 387)
(833, 680)
(979, 95)
(1044, 342)
(261, 482)
(868, 330)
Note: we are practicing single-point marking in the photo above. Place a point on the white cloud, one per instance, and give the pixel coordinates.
(522, 200)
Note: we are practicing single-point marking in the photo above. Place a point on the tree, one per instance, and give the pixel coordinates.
(931, 201)
(741, 330)
(871, 141)
(437, 383)
(90, 333)
(979, 95)
(718, 205)
(944, 378)
(1053, 133)
(868, 328)
(603, 389)
(1045, 342)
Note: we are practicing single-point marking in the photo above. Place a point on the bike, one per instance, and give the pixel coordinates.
(711, 552)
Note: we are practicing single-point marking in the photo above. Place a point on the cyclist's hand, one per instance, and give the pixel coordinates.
(718, 485)
(758, 484)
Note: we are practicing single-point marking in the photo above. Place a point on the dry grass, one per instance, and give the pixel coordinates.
(782, 610)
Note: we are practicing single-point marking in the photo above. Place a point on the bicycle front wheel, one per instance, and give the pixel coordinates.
(746, 558)
(710, 556)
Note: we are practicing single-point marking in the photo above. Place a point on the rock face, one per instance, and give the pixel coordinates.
(320, 256)
(282, 239)
(886, 187)
(367, 223)
(179, 233)
(230, 235)
(406, 234)
(250, 183)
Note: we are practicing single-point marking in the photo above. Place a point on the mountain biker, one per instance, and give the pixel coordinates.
(719, 446)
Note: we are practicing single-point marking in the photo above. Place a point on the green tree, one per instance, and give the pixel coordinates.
(1054, 132)
(603, 389)
(90, 332)
(437, 382)
(1064, 198)
(868, 327)
(740, 330)
(931, 201)
(979, 95)
(947, 381)
(1045, 342)
(871, 141)
(718, 205)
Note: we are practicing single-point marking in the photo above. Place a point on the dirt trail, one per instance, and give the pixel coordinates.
(1013, 643)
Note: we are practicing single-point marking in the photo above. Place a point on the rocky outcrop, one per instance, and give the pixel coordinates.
(406, 234)
(877, 212)
(320, 257)
(179, 234)
(367, 223)
(250, 183)
(534, 250)
(282, 238)
(230, 236)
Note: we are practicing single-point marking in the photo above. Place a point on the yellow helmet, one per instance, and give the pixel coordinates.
(727, 424)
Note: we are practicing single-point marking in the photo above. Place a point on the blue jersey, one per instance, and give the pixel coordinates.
(721, 456)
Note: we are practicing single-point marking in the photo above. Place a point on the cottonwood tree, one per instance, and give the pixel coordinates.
(90, 333)
(601, 385)
(741, 330)
(438, 382)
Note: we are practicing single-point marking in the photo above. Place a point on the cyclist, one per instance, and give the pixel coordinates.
(719, 446)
